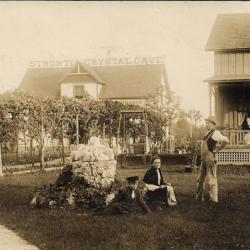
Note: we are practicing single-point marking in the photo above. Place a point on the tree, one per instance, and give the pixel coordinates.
(194, 116)
(182, 128)
(168, 108)
(56, 117)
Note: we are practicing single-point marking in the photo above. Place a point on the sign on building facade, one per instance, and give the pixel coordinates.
(107, 61)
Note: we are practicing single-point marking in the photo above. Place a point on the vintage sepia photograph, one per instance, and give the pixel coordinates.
(124, 125)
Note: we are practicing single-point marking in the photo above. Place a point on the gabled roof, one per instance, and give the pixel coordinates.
(121, 81)
(81, 72)
(131, 81)
(229, 32)
(43, 81)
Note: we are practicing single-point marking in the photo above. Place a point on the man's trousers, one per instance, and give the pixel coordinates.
(208, 172)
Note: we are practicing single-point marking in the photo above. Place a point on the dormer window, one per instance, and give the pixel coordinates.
(81, 81)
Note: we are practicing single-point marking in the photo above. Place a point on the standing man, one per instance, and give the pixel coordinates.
(208, 165)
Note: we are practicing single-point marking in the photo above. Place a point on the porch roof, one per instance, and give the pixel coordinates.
(229, 78)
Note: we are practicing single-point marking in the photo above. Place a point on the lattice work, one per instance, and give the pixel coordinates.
(233, 157)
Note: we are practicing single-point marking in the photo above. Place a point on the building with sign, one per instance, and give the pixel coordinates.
(119, 79)
(127, 83)
(229, 87)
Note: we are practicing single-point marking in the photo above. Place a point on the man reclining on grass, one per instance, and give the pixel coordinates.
(158, 194)
(128, 200)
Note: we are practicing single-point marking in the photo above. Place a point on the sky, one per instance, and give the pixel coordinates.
(77, 30)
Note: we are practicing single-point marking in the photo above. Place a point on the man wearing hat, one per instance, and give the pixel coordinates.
(208, 167)
(128, 200)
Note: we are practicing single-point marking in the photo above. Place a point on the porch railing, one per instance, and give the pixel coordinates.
(237, 137)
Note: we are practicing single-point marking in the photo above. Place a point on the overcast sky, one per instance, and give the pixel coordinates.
(77, 30)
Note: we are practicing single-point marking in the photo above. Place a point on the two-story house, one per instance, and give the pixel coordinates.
(229, 87)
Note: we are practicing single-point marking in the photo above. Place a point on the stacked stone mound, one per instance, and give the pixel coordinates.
(99, 175)
(88, 183)
(70, 191)
(95, 163)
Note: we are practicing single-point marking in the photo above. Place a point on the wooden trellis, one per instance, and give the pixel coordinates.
(122, 130)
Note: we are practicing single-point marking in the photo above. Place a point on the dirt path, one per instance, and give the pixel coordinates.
(9, 240)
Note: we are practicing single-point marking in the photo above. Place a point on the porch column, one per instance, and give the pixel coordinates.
(219, 106)
(210, 98)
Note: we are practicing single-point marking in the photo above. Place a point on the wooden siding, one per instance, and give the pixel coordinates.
(239, 63)
(232, 63)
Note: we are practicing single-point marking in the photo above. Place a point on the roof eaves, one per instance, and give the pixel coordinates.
(126, 97)
(227, 49)
(245, 78)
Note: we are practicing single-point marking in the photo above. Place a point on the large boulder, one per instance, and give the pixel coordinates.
(89, 182)
(95, 163)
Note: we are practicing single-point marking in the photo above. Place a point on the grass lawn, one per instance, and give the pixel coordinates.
(190, 225)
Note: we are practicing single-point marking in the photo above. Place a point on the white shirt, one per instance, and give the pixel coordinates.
(133, 194)
(158, 176)
(217, 136)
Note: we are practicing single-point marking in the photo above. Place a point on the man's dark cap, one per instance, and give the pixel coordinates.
(132, 179)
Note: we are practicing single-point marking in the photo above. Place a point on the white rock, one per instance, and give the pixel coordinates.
(109, 198)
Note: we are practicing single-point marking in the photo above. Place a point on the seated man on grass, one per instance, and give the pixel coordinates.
(159, 194)
(128, 200)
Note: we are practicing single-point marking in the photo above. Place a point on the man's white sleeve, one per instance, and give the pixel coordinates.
(217, 136)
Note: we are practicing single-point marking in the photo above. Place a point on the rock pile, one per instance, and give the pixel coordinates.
(71, 191)
(89, 182)
(95, 163)
(95, 150)
(96, 174)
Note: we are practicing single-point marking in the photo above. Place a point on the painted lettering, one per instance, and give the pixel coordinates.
(114, 60)
(58, 63)
(45, 64)
(107, 61)
(120, 61)
(87, 61)
(151, 60)
(32, 64)
(38, 63)
(93, 62)
(144, 60)
(127, 60)
(100, 61)
(52, 63)
(159, 59)
(137, 60)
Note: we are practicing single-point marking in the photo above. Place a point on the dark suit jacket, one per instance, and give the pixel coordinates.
(159, 195)
(151, 177)
(124, 198)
